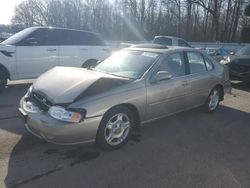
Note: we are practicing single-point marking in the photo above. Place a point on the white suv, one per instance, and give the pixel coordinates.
(35, 50)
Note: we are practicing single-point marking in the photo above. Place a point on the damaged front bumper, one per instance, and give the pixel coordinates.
(43, 126)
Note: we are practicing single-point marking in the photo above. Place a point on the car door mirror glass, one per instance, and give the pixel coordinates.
(161, 75)
(31, 41)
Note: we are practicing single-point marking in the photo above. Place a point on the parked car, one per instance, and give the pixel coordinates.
(128, 89)
(170, 41)
(35, 50)
(217, 53)
(239, 64)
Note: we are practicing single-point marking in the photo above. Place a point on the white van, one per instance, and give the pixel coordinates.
(35, 50)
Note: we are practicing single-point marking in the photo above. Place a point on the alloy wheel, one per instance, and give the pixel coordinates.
(117, 129)
(214, 99)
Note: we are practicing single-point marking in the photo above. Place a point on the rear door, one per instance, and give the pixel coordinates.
(168, 96)
(200, 77)
(37, 53)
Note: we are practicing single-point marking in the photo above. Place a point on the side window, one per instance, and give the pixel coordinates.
(68, 37)
(182, 43)
(174, 64)
(196, 62)
(93, 40)
(209, 64)
(163, 41)
(41, 37)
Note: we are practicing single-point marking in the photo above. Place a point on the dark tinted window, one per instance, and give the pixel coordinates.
(174, 64)
(183, 43)
(41, 37)
(163, 41)
(70, 37)
(196, 62)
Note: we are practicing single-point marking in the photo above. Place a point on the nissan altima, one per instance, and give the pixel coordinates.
(105, 103)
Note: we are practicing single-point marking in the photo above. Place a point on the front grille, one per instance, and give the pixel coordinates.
(40, 101)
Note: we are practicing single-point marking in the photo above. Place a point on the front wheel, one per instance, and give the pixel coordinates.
(115, 128)
(3, 80)
(213, 100)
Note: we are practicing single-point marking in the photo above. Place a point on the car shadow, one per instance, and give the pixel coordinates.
(9, 101)
(180, 139)
(244, 86)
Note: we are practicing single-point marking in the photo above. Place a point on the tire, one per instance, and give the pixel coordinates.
(89, 63)
(213, 100)
(115, 128)
(3, 80)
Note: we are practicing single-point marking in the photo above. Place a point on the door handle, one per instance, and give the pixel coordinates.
(51, 49)
(184, 83)
(83, 49)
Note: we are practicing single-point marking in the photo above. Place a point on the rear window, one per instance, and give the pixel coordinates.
(163, 41)
(196, 62)
(183, 43)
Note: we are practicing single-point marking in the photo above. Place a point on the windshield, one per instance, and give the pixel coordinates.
(244, 51)
(18, 36)
(129, 64)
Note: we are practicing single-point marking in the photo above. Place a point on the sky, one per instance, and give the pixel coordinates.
(7, 10)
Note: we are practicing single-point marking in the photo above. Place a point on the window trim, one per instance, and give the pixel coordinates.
(206, 64)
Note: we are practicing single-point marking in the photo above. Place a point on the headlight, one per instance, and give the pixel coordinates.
(62, 114)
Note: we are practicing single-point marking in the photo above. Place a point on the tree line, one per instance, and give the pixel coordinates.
(194, 20)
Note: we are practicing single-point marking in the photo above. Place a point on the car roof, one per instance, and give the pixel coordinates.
(161, 48)
(62, 28)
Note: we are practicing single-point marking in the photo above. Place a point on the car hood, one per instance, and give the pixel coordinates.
(64, 85)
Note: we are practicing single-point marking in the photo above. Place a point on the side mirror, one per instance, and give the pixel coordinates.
(31, 41)
(232, 53)
(161, 75)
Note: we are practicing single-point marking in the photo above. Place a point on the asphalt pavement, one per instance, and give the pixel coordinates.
(191, 149)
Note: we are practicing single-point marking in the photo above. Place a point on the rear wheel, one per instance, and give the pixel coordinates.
(213, 100)
(115, 128)
(3, 79)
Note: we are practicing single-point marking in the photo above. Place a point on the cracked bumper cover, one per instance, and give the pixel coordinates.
(43, 126)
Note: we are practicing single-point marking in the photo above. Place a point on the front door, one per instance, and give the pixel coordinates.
(37, 53)
(168, 96)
